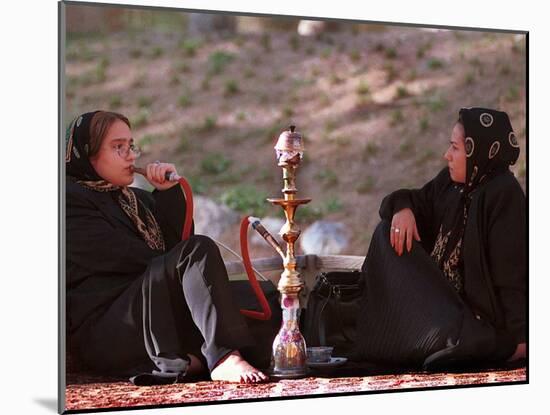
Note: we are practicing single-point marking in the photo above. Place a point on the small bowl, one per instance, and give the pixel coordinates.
(320, 354)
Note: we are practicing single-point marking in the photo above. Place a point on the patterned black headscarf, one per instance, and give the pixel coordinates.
(78, 166)
(77, 142)
(491, 147)
(490, 143)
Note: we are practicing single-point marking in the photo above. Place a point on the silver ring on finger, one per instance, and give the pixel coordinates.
(157, 162)
(397, 230)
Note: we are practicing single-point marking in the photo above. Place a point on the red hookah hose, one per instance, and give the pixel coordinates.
(188, 221)
(265, 314)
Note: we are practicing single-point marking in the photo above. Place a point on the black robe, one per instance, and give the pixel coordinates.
(132, 309)
(427, 315)
(105, 252)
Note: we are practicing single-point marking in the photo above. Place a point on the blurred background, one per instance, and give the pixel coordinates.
(212, 92)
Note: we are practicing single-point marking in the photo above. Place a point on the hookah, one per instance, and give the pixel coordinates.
(288, 359)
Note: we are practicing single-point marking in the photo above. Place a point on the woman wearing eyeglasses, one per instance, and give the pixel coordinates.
(141, 302)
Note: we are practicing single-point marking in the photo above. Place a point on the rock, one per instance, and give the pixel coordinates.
(201, 24)
(325, 238)
(311, 27)
(212, 219)
(273, 226)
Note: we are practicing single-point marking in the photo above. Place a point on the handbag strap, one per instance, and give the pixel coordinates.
(321, 329)
(321, 326)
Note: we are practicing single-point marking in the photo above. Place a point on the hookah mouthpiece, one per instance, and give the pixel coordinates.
(169, 175)
(258, 227)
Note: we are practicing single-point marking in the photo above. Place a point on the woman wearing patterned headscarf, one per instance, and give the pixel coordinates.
(139, 300)
(445, 275)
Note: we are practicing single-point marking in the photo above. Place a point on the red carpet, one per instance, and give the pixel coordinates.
(88, 393)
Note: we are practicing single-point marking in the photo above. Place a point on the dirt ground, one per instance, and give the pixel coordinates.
(375, 107)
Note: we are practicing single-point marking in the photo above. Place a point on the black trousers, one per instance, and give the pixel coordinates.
(181, 305)
(411, 316)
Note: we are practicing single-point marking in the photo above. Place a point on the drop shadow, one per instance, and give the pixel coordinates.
(48, 403)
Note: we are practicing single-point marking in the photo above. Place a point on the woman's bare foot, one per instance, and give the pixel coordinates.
(233, 368)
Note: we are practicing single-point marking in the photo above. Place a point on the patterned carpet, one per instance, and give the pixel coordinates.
(88, 393)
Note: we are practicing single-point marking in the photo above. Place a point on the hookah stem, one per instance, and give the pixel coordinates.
(188, 193)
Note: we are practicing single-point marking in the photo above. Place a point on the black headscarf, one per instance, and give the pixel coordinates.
(491, 147)
(78, 166)
(77, 141)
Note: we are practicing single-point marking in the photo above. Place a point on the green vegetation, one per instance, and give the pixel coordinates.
(294, 42)
(391, 53)
(218, 61)
(205, 83)
(215, 163)
(249, 73)
(209, 123)
(183, 143)
(330, 126)
(182, 67)
(326, 52)
(396, 117)
(402, 92)
(424, 124)
(313, 211)
(327, 177)
(197, 183)
(184, 100)
(141, 118)
(333, 205)
(287, 112)
(436, 102)
(435, 64)
(355, 55)
(246, 199)
(391, 72)
(366, 185)
(371, 150)
(265, 41)
(231, 88)
(422, 49)
(157, 52)
(363, 88)
(144, 102)
(405, 147)
(512, 94)
(190, 47)
(309, 213)
(174, 80)
(505, 70)
(115, 102)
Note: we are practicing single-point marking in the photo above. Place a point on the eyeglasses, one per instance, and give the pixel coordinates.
(123, 150)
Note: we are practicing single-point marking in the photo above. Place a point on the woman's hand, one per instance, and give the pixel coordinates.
(156, 173)
(403, 229)
(520, 353)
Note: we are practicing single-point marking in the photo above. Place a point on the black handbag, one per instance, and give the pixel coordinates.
(331, 312)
